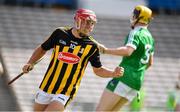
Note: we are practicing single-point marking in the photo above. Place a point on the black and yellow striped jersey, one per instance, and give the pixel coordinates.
(69, 59)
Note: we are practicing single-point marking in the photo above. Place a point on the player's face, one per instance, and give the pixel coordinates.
(86, 26)
(132, 19)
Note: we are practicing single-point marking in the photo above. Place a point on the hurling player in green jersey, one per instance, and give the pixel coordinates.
(137, 55)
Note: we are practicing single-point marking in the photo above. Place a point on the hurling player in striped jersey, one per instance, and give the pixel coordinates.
(72, 50)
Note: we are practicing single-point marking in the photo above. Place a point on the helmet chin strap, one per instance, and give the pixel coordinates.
(78, 26)
(134, 23)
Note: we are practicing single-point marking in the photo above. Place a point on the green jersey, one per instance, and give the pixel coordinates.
(135, 65)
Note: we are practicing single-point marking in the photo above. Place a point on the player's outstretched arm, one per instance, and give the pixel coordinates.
(119, 51)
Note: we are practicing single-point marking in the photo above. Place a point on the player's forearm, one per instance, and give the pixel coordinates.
(37, 54)
(150, 63)
(148, 66)
(104, 72)
(121, 51)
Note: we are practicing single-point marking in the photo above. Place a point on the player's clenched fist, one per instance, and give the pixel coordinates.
(27, 68)
(118, 72)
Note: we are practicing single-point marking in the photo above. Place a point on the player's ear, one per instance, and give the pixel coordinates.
(78, 23)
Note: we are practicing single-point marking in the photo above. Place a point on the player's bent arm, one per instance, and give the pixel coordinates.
(120, 51)
(104, 72)
(150, 63)
(37, 54)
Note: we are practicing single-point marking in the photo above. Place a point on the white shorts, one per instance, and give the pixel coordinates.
(45, 98)
(125, 91)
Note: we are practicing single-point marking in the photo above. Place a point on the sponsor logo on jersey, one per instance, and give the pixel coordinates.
(68, 57)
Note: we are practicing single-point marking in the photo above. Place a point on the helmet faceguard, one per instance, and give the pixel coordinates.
(84, 21)
(84, 14)
(141, 14)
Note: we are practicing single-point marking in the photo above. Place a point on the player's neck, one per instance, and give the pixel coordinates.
(75, 33)
(141, 24)
(78, 34)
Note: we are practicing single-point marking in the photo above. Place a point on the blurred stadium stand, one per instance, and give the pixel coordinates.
(8, 100)
(165, 6)
(68, 4)
(22, 29)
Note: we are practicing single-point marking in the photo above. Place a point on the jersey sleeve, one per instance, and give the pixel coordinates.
(132, 40)
(95, 59)
(50, 42)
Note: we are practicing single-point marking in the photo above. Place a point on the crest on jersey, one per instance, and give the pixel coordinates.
(69, 58)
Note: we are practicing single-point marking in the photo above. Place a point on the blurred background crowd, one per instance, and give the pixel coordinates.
(26, 23)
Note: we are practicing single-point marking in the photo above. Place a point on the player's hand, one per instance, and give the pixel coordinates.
(118, 72)
(27, 68)
(102, 48)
